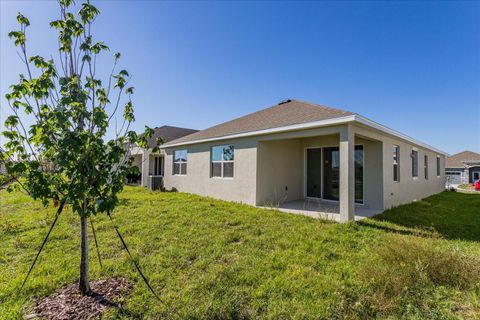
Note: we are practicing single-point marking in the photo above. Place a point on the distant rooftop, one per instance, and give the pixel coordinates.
(168, 133)
(457, 160)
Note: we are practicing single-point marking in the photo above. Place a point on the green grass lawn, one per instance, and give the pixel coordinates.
(220, 260)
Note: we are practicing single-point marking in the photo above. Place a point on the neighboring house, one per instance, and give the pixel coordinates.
(297, 150)
(463, 167)
(3, 169)
(152, 164)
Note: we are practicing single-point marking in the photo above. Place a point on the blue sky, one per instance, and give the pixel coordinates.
(412, 66)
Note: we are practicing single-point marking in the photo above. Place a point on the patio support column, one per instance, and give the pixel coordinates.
(145, 167)
(347, 174)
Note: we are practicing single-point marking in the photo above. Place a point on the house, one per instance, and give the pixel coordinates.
(296, 153)
(3, 168)
(152, 164)
(463, 167)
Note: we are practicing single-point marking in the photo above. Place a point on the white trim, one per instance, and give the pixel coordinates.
(321, 147)
(314, 124)
(180, 162)
(385, 129)
(473, 175)
(412, 163)
(397, 164)
(426, 170)
(438, 163)
(222, 162)
(161, 165)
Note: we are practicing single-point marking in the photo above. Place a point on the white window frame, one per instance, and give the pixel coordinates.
(222, 161)
(396, 163)
(425, 166)
(414, 163)
(158, 166)
(439, 169)
(180, 162)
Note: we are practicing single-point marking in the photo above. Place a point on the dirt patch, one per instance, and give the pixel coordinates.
(68, 304)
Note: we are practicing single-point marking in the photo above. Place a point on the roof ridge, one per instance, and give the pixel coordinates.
(169, 126)
(465, 151)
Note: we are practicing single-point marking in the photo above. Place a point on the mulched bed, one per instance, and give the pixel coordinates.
(67, 303)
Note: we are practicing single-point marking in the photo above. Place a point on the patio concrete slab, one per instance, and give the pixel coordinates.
(323, 209)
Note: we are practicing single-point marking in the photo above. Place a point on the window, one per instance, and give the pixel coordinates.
(158, 166)
(396, 163)
(222, 161)
(359, 174)
(414, 163)
(180, 162)
(425, 166)
(438, 166)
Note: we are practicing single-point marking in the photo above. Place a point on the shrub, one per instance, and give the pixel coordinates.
(410, 277)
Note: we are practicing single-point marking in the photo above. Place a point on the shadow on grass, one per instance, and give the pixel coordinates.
(451, 214)
(124, 202)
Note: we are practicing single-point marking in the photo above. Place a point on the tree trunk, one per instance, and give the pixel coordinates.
(84, 283)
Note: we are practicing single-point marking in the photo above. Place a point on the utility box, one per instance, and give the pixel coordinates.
(155, 183)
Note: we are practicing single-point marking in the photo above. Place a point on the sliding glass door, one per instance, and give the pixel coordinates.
(331, 173)
(314, 173)
(359, 174)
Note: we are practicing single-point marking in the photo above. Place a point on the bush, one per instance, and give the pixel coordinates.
(411, 277)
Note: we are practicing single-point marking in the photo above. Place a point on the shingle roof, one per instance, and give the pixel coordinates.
(456, 161)
(285, 113)
(168, 133)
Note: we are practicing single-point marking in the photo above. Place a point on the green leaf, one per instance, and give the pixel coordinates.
(148, 132)
(128, 112)
(58, 24)
(18, 36)
(22, 19)
(11, 121)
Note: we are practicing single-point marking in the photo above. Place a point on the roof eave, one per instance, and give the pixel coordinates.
(309, 125)
(375, 125)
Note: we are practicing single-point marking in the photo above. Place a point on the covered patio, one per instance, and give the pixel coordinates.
(334, 173)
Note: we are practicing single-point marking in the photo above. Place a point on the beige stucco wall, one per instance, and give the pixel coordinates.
(270, 169)
(240, 188)
(137, 161)
(279, 171)
(408, 189)
(280, 163)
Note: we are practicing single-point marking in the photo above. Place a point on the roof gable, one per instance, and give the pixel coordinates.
(286, 113)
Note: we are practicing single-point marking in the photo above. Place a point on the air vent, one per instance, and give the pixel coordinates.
(285, 101)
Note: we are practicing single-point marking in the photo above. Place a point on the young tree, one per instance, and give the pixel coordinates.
(58, 128)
